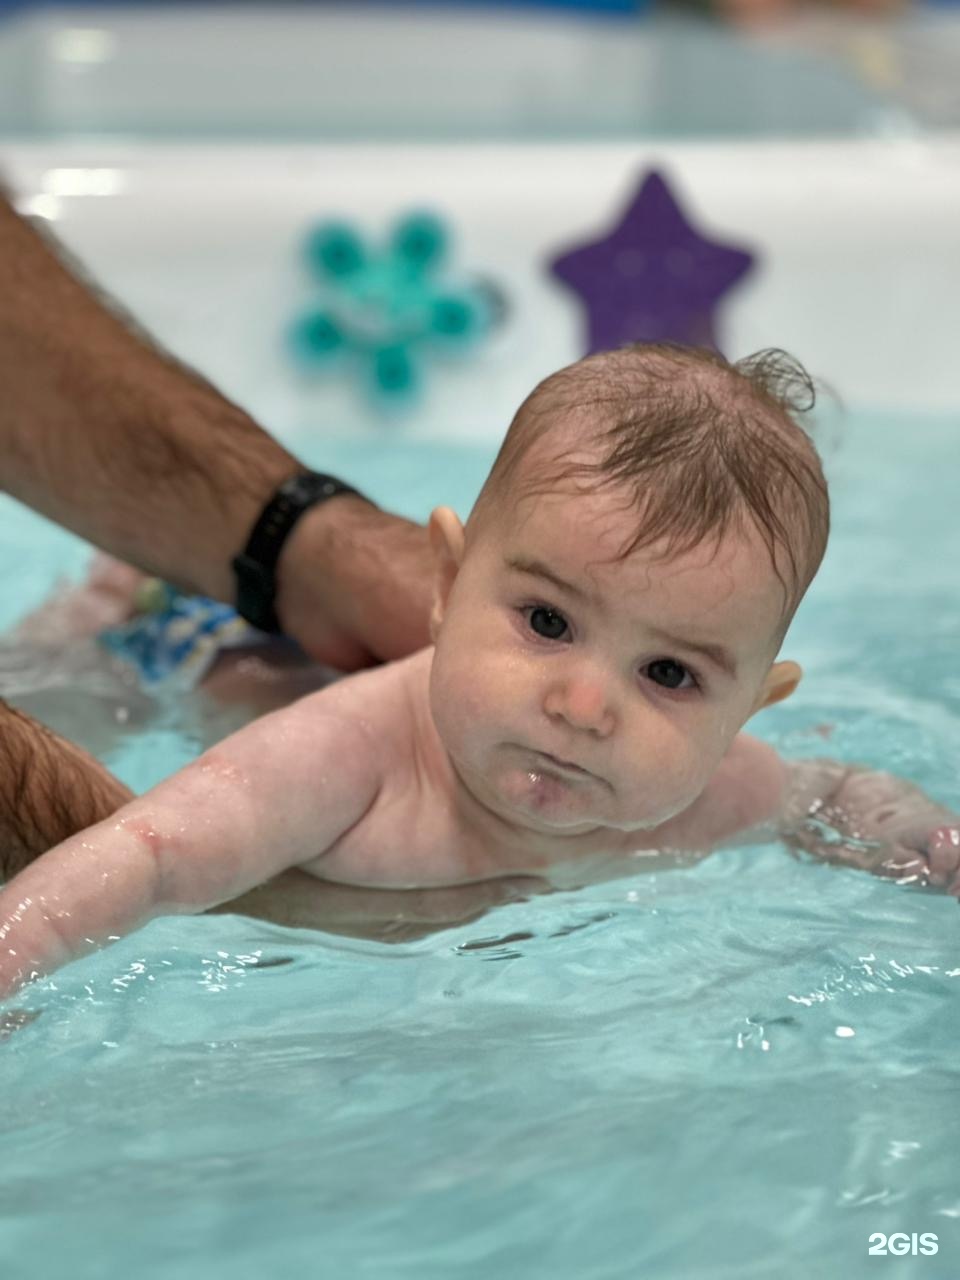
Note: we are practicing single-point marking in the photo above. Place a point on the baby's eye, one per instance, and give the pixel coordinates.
(670, 674)
(547, 623)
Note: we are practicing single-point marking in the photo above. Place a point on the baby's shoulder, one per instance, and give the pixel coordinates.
(387, 703)
(745, 792)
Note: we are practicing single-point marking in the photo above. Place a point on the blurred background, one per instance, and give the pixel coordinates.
(357, 215)
(536, 68)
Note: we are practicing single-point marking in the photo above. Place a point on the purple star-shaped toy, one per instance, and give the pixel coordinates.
(653, 278)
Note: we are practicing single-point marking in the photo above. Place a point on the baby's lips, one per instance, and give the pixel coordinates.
(943, 855)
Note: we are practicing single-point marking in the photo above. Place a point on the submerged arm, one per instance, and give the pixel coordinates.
(276, 794)
(865, 818)
(840, 813)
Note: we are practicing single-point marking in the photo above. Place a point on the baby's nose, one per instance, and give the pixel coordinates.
(584, 702)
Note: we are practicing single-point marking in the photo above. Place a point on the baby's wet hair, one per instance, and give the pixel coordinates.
(701, 444)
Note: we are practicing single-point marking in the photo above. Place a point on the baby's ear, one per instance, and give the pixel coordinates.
(782, 679)
(446, 539)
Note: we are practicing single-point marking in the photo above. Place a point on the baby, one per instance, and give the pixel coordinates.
(604, 626)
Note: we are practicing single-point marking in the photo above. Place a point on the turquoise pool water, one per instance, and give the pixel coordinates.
(740, 1069)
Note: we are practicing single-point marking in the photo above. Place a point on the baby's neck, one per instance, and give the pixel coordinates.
(516, 845)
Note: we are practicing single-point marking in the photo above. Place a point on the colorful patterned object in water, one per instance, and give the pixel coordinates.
(385, 309)
(174, 638)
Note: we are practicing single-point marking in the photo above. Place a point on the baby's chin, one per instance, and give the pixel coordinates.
(552, 801)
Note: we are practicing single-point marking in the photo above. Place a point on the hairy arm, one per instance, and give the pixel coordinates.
(114, 439)
(278, 793)
(111, 437)
(49, 789)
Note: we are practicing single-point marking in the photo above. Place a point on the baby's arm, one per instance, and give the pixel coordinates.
(838, 812)
(865, 818)
(274, 795)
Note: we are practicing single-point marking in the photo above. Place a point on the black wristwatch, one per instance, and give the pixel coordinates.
(256, 566)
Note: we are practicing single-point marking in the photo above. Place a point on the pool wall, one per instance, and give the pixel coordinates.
(857, 255)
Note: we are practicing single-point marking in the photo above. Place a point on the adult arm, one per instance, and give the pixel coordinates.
(49, 789)
(108, 435)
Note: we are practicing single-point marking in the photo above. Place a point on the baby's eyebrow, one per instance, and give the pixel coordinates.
(537, 569)
(715, 653)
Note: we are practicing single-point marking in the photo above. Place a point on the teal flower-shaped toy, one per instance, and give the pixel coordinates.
(384, 310)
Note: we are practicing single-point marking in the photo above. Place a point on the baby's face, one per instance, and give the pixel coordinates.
(574, 690)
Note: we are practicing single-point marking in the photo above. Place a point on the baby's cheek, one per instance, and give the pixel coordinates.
(680, 771)
(687, 751)
(456, 699)
(705, 750)
(686, 790)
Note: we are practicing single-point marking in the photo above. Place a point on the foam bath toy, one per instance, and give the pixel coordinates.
(384, 309)
(653, 277)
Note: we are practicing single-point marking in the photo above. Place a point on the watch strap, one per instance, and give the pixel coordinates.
(256, 566)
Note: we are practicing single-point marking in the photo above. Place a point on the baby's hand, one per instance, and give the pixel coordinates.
(943, 856)
(885, 825)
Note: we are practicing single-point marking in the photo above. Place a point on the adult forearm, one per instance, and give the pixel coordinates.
(111, 437)
(49, 789)
(107, 435)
